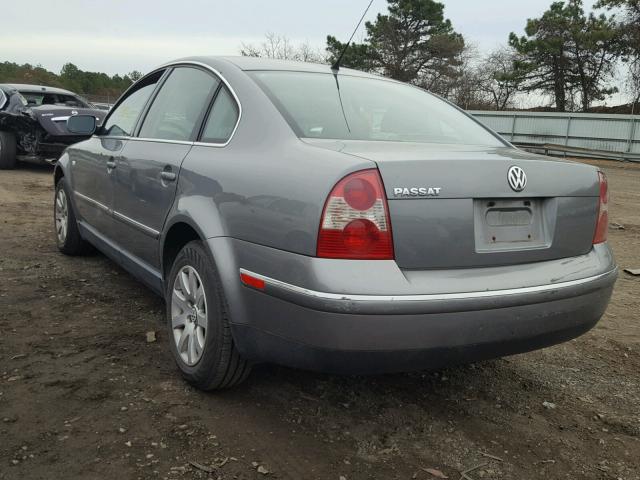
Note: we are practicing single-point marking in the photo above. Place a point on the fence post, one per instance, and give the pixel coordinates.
(632, 132)
(513, 127)
(566, 137)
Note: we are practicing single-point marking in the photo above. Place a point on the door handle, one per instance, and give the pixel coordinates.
(168, 176)
(111, 164)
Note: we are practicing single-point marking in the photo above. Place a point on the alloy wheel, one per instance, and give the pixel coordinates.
(61, 216)
(189, 315)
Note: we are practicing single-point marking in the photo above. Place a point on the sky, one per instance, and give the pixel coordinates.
(118, 36)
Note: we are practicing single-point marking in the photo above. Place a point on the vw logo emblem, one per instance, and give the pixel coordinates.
(517, 179)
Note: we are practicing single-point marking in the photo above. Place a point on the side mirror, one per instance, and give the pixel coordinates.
(82, 124)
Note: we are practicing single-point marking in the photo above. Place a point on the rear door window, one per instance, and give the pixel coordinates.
(177, 110)
(222, 119)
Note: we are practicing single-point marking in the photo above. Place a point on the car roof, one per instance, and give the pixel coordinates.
(259, 63)
(23, 87)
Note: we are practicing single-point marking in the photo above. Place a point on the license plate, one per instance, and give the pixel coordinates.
(506, 224)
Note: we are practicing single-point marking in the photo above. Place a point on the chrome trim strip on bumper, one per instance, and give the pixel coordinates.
(433, 303)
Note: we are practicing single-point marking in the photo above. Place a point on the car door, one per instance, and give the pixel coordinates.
(92, 164)
(148, 169)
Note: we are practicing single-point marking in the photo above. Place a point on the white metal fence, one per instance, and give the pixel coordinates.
(600, 135)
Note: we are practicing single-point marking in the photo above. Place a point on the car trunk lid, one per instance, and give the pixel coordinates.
(452, 206)
(53, 118)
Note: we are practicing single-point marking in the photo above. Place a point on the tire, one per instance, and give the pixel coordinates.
(207, 357)
(67, 234)
(7, 151)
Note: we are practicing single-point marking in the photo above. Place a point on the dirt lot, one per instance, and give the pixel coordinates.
(83, 395)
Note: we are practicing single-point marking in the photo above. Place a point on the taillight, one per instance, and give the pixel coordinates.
(355, 221)
(602, 226)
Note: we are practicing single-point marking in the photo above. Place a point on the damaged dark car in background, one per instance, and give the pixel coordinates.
(33, 122)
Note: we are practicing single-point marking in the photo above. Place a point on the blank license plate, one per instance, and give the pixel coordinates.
(509, 224)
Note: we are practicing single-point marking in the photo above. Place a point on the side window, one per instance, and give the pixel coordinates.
(222, 119)
(123, 118)
(177, 109)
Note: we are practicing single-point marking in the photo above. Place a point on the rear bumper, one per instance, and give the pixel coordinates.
(304, 324)
(434, 302)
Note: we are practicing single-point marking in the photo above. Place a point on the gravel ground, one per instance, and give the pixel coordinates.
(84, 395)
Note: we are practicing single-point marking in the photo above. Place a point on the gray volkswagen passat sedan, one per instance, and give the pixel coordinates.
(332, 220)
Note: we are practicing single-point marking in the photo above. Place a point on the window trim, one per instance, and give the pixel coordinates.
(233, 94)
(169, 67)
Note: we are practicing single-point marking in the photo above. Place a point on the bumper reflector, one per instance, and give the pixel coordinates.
(251, 281)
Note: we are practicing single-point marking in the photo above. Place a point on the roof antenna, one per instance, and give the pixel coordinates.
(336, 65)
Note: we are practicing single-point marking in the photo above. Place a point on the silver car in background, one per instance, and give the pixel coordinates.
(332, 220)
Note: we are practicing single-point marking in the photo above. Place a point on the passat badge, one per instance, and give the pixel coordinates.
(416, 191)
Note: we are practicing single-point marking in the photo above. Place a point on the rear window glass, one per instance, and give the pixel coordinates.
(222, 119)
(37, 99)
(344, 107)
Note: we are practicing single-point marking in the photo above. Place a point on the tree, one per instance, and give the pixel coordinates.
(564, 52)
(134, 75)
(412, 43)
(70, 77)
(281, 48)
(629, 27)
(498, 79)
(544, 64)
(464, 89)
(596, 47)
(356, 56)
(14, 73)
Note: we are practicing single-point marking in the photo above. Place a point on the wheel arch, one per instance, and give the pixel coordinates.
(178, 234)
(191, 218)
(60, 169)
(58, 173)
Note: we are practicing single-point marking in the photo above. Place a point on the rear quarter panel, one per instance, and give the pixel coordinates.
(266, 186)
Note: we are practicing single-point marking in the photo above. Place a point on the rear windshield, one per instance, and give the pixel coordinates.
(37, 99)
(323, 105)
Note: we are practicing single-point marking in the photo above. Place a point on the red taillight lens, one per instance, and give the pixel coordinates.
(355, 222)
(359, 194)
(602, 226)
